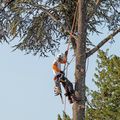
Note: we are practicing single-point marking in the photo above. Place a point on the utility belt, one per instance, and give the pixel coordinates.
(57, 76)
(60, 76)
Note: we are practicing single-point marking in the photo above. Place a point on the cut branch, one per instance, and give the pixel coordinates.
(102, 43)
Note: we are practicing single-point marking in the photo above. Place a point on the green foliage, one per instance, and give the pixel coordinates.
(35, 22)
(59, 118)
(105, 102)
(65, 117)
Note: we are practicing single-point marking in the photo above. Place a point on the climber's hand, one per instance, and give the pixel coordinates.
(62, 72)
(66, 52)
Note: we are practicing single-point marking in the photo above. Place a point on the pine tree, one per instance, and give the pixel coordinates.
(42, 24)
(105, 103)
(59, 118)
(65, 117)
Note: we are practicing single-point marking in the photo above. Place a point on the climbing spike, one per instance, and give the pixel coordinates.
(61, 98)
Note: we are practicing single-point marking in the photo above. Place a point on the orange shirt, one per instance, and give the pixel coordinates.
(57, 66)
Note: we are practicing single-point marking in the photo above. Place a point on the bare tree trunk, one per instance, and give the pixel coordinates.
(79, 106)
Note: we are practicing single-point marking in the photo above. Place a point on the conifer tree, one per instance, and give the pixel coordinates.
(59, 118)
(105, 102)
(40, 25)
(65, 117)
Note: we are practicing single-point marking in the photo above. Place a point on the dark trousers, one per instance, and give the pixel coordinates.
(67, 85)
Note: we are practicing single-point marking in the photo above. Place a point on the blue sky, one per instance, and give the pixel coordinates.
(26, 86)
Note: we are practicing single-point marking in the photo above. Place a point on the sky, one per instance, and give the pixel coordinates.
(26, 85)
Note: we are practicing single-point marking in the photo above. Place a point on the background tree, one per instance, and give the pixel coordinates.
(65, 117)
(42, 24)
(105, 104)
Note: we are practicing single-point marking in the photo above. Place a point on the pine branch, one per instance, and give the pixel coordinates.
(102, 43)
(56, 20)
(8, 3)
(113, 7)
(93, 12)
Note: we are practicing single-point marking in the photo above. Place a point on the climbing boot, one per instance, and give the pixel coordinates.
(70, 99)
(57, 91)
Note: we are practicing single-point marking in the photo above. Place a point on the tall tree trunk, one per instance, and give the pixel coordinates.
(79, 106)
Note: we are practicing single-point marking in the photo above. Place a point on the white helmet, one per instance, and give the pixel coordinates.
(61, 55)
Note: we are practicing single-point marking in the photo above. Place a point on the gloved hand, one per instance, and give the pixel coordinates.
(57, 90)
(62, 72)
(66, 52)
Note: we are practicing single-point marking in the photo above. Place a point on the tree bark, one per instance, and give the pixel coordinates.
(79, 106)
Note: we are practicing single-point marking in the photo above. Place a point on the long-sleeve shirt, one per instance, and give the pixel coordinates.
(56, 66)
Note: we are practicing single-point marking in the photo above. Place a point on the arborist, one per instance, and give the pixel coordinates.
(60, 77)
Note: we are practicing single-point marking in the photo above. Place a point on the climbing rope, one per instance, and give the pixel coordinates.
(65, 105)
(72, 29)
(68, 47)
(66, 68)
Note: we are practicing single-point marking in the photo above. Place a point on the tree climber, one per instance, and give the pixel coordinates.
(60, 78)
